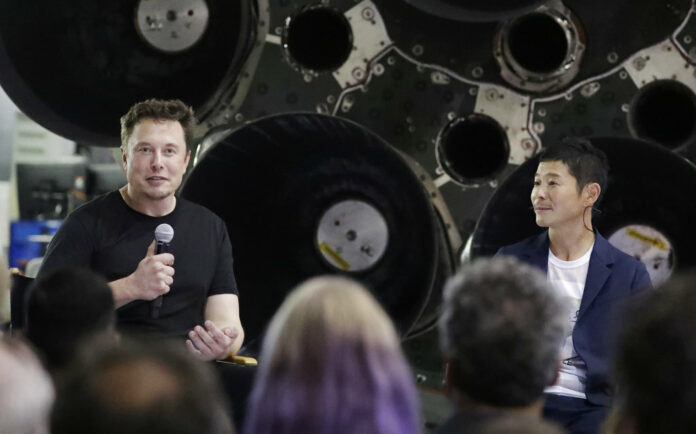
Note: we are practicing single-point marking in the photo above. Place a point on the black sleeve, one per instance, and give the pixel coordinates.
(223, 280)
(71, 246)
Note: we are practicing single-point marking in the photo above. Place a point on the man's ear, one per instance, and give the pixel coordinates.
(186, 160)
(592, 192)
(124, 158)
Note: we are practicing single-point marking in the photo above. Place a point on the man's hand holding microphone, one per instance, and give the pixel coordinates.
(152, 279)
(154, 275)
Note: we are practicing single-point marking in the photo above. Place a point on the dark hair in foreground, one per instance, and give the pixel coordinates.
(656, 360)
(331, 363)
(585, 162)
(172, 110)
(501, 329)
(64, 307)
(139, 387)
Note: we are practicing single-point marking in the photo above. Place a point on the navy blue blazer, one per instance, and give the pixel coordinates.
(612, 277)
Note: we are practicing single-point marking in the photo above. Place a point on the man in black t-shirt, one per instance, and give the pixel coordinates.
(114, 235)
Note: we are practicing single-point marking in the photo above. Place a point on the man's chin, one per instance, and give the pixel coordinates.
(541, 223)
(159, 195)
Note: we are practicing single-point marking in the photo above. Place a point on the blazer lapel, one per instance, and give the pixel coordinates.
(538, 255)
(598, 272)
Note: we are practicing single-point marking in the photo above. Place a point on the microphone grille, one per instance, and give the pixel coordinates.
(164, 233)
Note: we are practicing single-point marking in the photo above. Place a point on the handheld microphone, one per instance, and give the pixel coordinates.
(164, 234)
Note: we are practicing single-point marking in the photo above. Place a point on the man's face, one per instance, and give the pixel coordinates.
(155, 159)
(555, 196)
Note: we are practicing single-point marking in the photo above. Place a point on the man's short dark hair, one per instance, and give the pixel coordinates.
(173, 110)
(64, 307)
(139, 387)
(501, 330)
(585, 162)
(655, 361)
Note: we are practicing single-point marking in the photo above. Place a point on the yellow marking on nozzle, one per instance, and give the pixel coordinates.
(650, 240)
(336, 257)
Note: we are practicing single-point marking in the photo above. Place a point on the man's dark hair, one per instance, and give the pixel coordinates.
(500, 330)
(173, 110)
(655, 361)
(64, 307)
(585, 162)
(139, 387)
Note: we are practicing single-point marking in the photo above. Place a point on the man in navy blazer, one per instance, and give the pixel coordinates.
(594, 277)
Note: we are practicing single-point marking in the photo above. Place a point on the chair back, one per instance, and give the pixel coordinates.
(18, 295)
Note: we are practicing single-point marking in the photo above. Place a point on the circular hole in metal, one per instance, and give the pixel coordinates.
(171, 15)
(318, 38)
(473, 148)
(352, 235)
(648, 245)
(664, 111)
(537, 43)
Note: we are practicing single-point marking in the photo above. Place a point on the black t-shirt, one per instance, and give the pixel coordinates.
(109, 237)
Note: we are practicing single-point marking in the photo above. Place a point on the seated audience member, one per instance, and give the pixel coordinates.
(655, 363)
(65, 306)
(331, 363)
(26, 390)
(500, 331)
(138, 387)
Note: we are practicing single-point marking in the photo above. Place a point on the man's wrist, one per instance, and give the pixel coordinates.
(121, 290)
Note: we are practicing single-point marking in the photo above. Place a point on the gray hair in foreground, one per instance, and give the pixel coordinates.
(501, 331)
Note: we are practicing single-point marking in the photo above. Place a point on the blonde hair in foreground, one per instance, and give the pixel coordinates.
(331, 362)
(329, 308)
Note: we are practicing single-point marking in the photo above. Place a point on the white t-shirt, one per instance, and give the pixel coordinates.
(568, 278)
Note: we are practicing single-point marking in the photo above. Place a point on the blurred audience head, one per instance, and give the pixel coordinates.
(138, 387)
(26, 390)
(500, 331)
(655, 362)
(331, 362)
(64, 307)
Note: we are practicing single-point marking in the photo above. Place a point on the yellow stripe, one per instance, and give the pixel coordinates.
(654, 241)
(336, 257)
